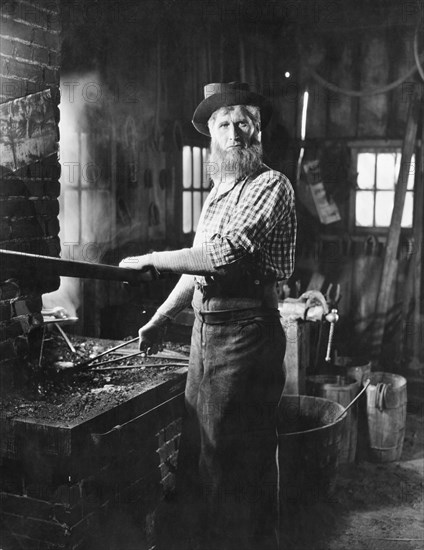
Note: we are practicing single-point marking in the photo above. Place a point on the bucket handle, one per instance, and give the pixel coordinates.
(380, 395)
(367, 383)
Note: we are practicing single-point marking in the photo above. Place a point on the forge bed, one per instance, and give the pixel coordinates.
(79, 443)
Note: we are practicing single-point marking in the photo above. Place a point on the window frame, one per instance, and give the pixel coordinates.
(203, 189)
(359, 146)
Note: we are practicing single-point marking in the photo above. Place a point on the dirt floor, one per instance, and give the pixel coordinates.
(375, 506)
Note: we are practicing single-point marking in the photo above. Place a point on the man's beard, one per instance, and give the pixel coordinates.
(235, 163)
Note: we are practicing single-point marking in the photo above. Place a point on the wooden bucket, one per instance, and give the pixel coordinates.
(386, 415)
(358, 368)
(340, 389)
(309, 445)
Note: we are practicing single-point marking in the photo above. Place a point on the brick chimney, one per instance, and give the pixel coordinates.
(29, 172)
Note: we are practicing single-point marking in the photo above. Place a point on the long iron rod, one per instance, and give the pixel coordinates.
(91, 359)
(71, 268)
(142, 365)
(65, 337)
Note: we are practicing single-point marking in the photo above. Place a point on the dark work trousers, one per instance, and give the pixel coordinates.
(227, 469)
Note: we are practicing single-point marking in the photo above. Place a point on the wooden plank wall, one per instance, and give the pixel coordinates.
(375, 60)
(162, 84)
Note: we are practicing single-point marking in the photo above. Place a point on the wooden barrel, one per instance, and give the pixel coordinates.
(358, 368)
(340, 389)
(386, 415)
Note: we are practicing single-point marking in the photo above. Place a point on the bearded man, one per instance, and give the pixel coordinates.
(244, 246)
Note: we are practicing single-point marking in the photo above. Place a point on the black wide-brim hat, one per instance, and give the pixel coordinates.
(224, 94)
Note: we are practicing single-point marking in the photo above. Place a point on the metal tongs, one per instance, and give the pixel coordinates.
(165, 354)
(110, 350)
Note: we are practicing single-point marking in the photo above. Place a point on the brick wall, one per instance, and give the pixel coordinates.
(29, 63)
(30, 47)
(61, 486)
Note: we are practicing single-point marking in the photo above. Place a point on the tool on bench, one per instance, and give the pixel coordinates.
(91, 359)
(165, 354)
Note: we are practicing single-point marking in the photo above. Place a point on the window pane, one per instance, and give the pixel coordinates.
(197, 207)
(206, 171)
(187, 220)
(85, 159)
(366, 169)
(364, 208)
(408, 210)
(187, 167)
(197, 167)
(383, 208)
(71, 217)
(386, 170)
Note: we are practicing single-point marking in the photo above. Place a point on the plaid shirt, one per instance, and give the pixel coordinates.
(255, 217)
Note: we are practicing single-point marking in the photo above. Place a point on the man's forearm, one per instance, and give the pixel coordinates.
(180, 297)
(193, 261)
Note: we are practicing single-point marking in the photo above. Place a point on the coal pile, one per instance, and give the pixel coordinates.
(67, 395)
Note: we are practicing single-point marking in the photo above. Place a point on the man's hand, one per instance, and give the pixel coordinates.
(152, 333)
(315, 305)
(137, 262)
(311, 306)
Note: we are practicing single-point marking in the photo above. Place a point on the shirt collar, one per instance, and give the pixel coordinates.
(215, 186)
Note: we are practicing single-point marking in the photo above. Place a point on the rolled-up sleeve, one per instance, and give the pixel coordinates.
(266, 202)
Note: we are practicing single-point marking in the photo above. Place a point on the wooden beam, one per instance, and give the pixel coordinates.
(417, 258)
(390, 256)
(407, 298)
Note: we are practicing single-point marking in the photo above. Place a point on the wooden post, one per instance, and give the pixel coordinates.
(407, 297)
(389, 266)
(418, 243)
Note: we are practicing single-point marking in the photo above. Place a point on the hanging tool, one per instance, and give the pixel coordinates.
(333, 295)
(332, 317)
(154, 214)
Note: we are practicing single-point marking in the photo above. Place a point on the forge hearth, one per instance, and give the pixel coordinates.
(84, 446)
